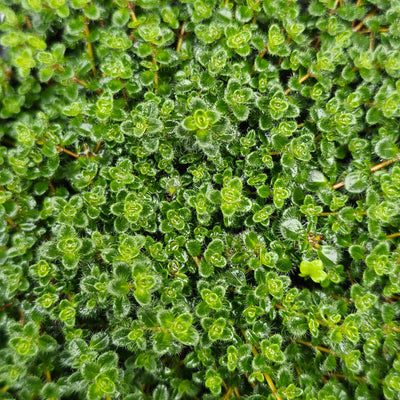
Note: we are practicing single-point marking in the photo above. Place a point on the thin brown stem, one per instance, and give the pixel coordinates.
(227, 394)
(371, 41)
(383, 29)
(281, 307)
(86, 150)
(361, 24)
(334, 296)
(251, 383)
(89, 47)
(180, 37)
(4, 388)
(332, 375)
(393, 235)
(28, 22)
(97, 148)
(326, 214)
(359, 2)
(266, 375)
(154, 61)
(64, 150)
(334, 8)
(275, 153)
(12, 223)
(301, 80)
(373, 169)
(131, 8)
(48, 375)
(235, 389)
(320, 348)
(6, 306)
(305, 77)
(51, 187)
(264, 52)
(85, 84)
(125, 96)
(385, 163)
(337, 185)
(196, 261)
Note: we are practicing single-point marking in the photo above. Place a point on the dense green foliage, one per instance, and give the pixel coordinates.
(200, 199)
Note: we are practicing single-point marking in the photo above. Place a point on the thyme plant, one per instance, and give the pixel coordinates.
(200, 199)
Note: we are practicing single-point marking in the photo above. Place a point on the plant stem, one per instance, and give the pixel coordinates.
(264, 52)
(196, 261)
(12, 223)
(372, 41)
(153, 59)
(227, 394)
(180, 38)
(96, 149)
(332, 375)
(338, 185)
(369, 15)
(281, 307)
(131, 8)
(373, 169)
(90, 48)
(48, 375)
(385, 163)
(334, 8)
(51, 187)
(266, 375)
(6, 306)
(28, 22)
(64, 150)
(393, 235)
(301, 80)
(85, 84)
(325, 214)
(305, 77)
(320, 348)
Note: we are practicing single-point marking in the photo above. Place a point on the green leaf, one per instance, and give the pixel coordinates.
(193, 247)
(292, 229)
(162, 342)
(142, 296)
(355, 182)
(386, 149)
(313, 269)
(99, 341)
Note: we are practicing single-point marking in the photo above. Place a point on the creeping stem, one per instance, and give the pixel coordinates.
(266, 375)
(180, 37)
(373, 169)
(89, 47)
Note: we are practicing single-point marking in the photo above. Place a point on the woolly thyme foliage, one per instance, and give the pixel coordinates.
(200, 199)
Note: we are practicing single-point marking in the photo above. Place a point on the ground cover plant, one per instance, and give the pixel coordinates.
(200, 199)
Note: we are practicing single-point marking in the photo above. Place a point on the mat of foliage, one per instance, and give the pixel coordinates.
(200, 199)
